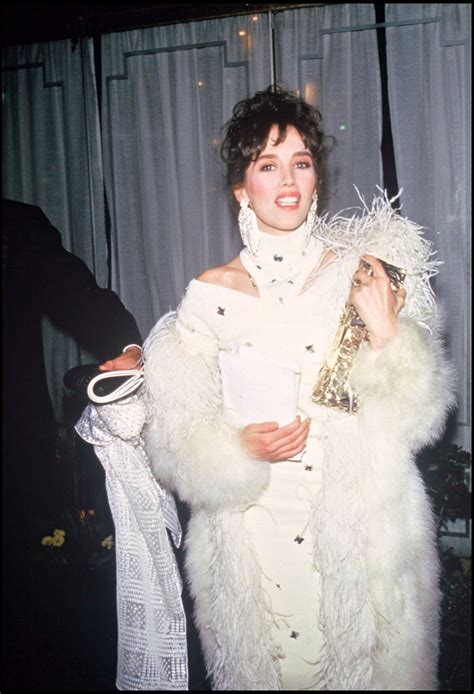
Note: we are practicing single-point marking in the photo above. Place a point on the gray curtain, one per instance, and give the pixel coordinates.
(328, 55)
(166, 93)
(52, 158)
(429, 65)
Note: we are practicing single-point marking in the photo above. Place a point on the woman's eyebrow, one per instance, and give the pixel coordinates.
(275, 156)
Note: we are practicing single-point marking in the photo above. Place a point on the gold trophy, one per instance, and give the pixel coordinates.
(332, 388)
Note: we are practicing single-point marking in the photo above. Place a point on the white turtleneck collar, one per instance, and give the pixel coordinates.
(282, 262)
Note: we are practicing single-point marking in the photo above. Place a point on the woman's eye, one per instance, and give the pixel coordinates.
(267, 167)
(303, 165)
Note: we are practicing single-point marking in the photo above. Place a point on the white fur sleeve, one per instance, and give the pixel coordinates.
(192, 450)
(406, 387)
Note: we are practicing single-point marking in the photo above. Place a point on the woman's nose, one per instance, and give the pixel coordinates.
(287, 177)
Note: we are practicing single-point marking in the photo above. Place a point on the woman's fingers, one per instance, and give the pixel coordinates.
(268, 441)
(377, 270)
(292, 448)
(376, 302)
(293, 440)
(262, 427)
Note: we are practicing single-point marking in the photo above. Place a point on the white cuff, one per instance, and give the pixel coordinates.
(409, 382)
(132, 345)
(140, 359)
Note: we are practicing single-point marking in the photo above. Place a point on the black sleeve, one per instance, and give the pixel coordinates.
(66, 289)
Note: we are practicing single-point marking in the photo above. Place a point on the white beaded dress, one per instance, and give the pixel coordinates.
(288, 323)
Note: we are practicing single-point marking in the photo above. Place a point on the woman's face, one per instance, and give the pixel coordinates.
(280, 184)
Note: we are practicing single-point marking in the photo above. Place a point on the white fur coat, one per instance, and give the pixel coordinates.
(372, 525)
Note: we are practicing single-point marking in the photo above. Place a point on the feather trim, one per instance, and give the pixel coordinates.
(408, 386)
(339, 532)
(374, 546)
(372, 526)
(179, 383)
(382, 232)
(233, 613)
(192, 449)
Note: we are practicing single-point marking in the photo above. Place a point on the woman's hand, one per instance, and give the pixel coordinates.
(376, 303)
(131, 359)
(267, 441)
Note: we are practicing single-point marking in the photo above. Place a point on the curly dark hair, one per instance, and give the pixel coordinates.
(246, 133)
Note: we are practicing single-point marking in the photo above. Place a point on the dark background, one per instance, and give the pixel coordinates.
(29, 22)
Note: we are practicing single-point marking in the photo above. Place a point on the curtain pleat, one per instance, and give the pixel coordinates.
(167, 91)
(323, 53)
(428, 63)
(52, 158)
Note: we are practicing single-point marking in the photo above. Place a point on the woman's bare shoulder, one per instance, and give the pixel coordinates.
(228, 275)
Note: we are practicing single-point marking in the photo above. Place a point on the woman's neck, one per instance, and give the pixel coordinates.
(279, 260)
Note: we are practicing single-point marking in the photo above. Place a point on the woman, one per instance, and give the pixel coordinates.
(310, 550)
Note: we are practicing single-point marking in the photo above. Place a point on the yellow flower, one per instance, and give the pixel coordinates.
(57, 540)
(108, 542)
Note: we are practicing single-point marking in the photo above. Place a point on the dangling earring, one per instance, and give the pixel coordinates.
(248, 227)
(311, 218)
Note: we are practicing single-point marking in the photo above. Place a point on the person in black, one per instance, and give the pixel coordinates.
(40, 278)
